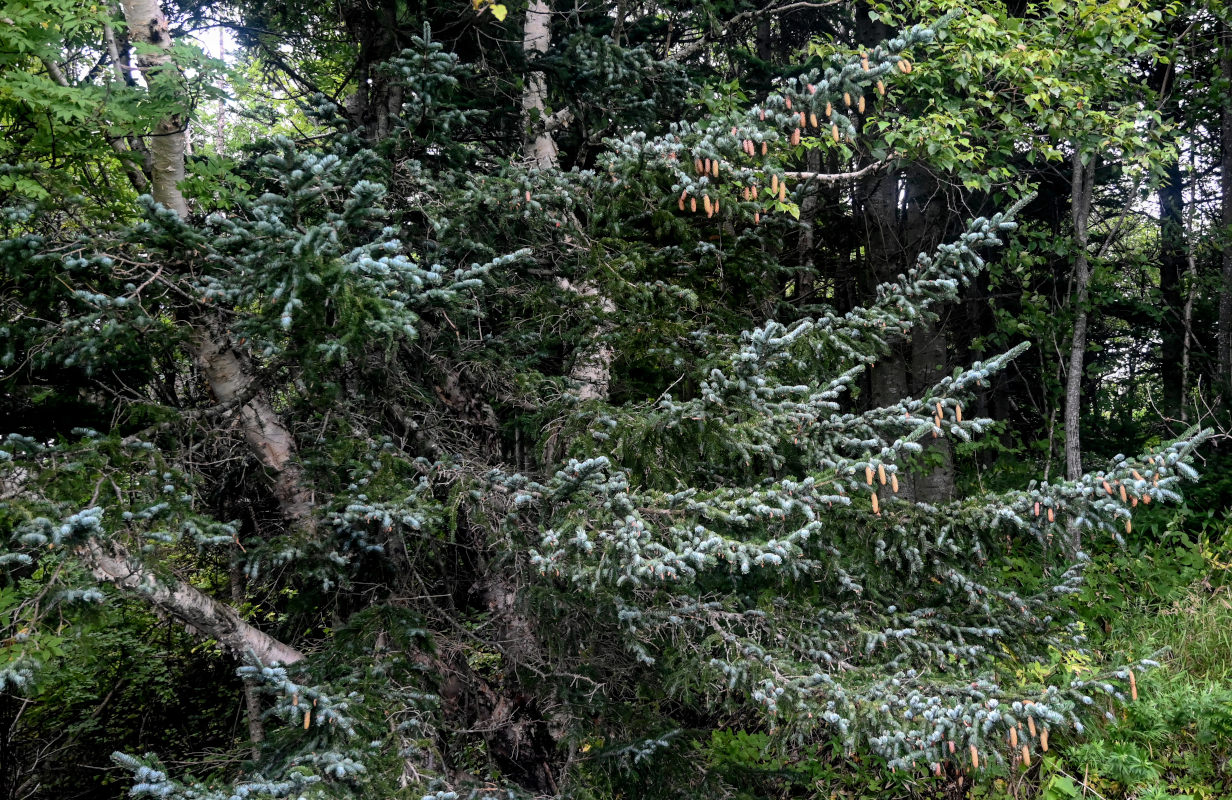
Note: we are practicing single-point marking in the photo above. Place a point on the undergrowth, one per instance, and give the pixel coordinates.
(1166, 596)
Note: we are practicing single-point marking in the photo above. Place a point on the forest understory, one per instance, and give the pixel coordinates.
(462, 399)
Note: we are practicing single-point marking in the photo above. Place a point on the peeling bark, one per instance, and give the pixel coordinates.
(263, 429)
(252, 696)
(229, 380)
(148, 25)
(539, 145)
(591, 372)
(230, 383)
(200, 612)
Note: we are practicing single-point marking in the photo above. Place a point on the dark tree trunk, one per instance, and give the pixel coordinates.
(806, 277)
(1171, 255)
(924, 226)
(888, 378)
(1172, 263)
(375, 29)
(1225, 184)
(878, 205)
(763, 39)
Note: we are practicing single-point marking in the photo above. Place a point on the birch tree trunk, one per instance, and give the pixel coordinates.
(205, 615)
(148, 25)
(252, 696)
(1082, 186)
(268, 437)
(224, 370)
(539, 145)
(591, 373)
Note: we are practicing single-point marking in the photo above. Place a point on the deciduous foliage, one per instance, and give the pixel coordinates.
(558, 392)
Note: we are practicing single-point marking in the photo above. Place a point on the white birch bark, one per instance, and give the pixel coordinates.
(224, 370)
(148, 25)
(591, 372)
(270, 439)
(205, 615)
(266, 434)
(539, 145)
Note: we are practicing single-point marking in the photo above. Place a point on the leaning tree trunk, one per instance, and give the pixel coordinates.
(224, 369)
(182, 602)
(267, 436)
(109, 562)
(1082, 186)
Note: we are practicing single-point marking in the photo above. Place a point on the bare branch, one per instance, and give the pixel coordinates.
(57, 74)
(837, 177)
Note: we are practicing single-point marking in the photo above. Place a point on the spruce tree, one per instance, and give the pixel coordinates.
(720, 540)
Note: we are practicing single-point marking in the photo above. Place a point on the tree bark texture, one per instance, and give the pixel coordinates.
(225, 372)
(806, 277)
(373, 27)
(540, 147)
(591, 372)
(223, 368)
(252, 696)
(271, 441)
(924, 227)
(147, 25)
(888, 378)
(1082, 187)
(200, 612)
